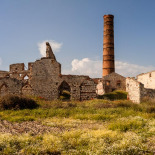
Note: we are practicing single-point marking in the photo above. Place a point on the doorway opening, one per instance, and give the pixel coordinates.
(64, 91)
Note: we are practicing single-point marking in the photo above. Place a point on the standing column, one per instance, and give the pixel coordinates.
(108, 45)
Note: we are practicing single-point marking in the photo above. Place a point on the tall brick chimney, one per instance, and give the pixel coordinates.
(108, 45)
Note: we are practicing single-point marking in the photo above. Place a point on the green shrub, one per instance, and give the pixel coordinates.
(115, 95)
(16, 102)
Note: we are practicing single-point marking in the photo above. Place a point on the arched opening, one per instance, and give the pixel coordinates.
(64, 91)
(27, 90)
(3, 90)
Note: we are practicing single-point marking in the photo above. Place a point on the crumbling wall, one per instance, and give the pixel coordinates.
(148, 79)
(45, 78)
(137, 92)
(14, 80)
(133, 88)
(87, 90)
(17, 67)
(147, 93)
(17, 71)
(4, 74)
(10, 86)
(113, 82)
(75, 82)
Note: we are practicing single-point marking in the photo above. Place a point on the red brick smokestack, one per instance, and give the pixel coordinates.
(108, 45)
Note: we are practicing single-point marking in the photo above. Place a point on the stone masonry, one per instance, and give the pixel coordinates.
(110, 83)
(148, 79)
(43, 78)
(137, 92)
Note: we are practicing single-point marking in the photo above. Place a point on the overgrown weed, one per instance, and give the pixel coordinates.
(89, 127)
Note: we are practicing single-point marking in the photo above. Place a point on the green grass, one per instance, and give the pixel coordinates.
(89, 127)
(115, 95)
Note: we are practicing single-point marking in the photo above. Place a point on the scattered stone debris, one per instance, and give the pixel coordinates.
(31, 127)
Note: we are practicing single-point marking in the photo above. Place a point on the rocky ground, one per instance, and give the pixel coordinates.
(36, 127)
(32, 127)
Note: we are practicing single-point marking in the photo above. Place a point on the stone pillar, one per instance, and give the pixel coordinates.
(108, 45)
(49, 52)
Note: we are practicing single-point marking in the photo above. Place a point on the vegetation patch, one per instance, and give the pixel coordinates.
(16, 102)
(115, 95)
(126, 124)
(72, 127)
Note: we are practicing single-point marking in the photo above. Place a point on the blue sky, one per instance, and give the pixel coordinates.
(76, 29)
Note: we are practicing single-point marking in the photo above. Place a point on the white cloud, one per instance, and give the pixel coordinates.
(93, 68)
(55, 46)
(127, 69)
(85, 66)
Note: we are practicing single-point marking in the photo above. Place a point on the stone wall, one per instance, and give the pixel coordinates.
(44, 78)
(148, 79)
(133, 87)
(3, 74)
(82, 87)
(87, 90)
(137, 92)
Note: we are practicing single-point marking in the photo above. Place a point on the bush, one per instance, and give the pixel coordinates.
(14, 102)
(115, 95)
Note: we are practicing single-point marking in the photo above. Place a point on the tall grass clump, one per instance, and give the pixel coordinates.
(14, 102)
(148, 105)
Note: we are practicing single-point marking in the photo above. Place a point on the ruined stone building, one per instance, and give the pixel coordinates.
(43, 78)
(110, 83)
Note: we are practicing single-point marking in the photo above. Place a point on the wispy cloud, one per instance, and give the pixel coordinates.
(55, 46)
(85, 66)
(127, 69)
(93, 68)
